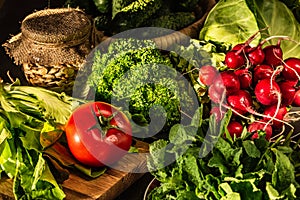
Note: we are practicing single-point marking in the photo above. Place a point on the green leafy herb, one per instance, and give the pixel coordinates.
(234, 169)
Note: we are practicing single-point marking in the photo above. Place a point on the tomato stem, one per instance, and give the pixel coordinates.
(103, 123)
(97, 125)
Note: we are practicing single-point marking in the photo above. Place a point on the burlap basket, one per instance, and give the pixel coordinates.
(52, 46)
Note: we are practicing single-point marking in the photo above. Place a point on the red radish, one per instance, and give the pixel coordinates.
(240, 101)
(245, 78)
(257, 126)
(245, 47)
(217, 112)
(267, 92)
(270, 112)
(288, 89)
(234, 60)
(262, 72)
(235, 128)
(296, 101)
(215, 94)
(242, 47)
(227, 80)
(256, 56)
(273, 55)
(207, 74)
(291, 70)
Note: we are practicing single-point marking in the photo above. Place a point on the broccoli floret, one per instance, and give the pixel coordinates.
(122, 55)
(135, 76)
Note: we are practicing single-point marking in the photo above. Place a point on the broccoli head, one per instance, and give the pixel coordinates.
(137, 77)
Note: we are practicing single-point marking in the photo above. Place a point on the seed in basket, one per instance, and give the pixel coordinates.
(53, 70)
(37, 65)
(59, 83)
(59, 74)
(48, 77)
(41, 71)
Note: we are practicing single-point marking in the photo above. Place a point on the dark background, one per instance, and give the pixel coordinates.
(12, 12)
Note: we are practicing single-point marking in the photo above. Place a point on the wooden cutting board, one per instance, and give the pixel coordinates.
(106, 187)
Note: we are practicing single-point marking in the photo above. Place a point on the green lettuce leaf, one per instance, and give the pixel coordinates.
(33, 178)
(230, 21)
(278, 18)
(48, 102)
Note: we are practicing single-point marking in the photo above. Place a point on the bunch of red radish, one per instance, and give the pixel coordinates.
(257, 85)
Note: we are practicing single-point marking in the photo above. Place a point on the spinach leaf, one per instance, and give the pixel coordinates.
(46, 102)
(8, 149)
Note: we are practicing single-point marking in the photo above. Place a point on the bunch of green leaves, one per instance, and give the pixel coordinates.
(211, 165)
(31, 120)
(234, 22)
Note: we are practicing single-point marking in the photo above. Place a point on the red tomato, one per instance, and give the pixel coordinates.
(98, 134)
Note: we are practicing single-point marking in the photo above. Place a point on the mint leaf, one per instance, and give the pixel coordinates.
(232, 196)
(157, 156)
